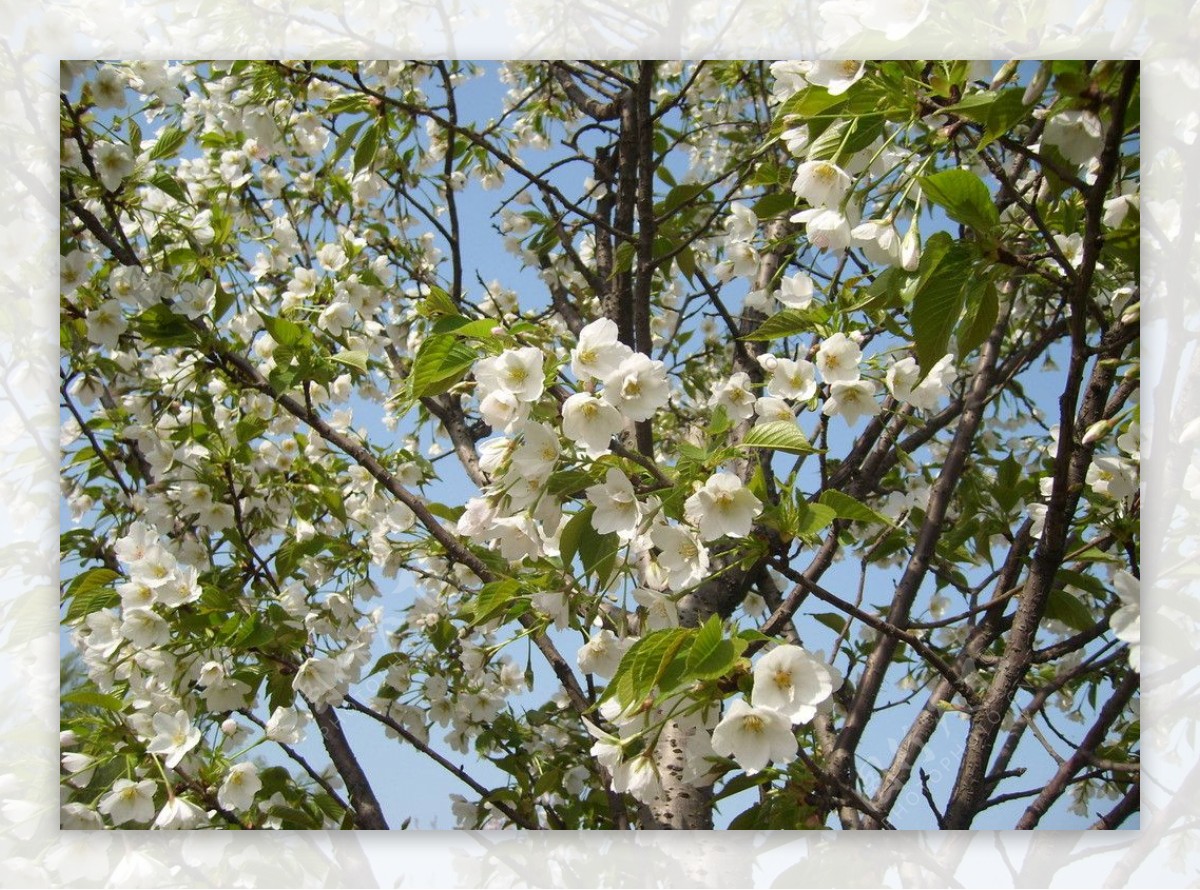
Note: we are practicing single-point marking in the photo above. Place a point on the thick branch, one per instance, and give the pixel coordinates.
(367, 812)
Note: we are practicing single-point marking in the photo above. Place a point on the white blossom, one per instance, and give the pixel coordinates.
(838, 358)
(114, 163)
(240, 785)
(601, 654)
(590, 422)
(735, 396)
(826, 229)
(179, 814)
(1126, 622)
(837, 76)
(598, 353)
(1112, 476)
(638, 387)
(517, 372)
(821, 183)
(851, 401)
(174, 736)
(879, 240)
(795, 291)
(129, 801)
(754, 736)
(791, 681)
(902, 382)
(617, 509)
(723, 506)
(681, 553)
(796, 380)
(1077, 134)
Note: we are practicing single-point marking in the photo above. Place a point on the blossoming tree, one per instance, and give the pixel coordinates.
(782, 437)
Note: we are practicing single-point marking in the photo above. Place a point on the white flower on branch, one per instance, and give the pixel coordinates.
(838, 358)
(723, 506)
(601, 654)
(902, 381)
(851, 401)
(590, 422)
(821, 183)
(791, 681)
(517, 372)
(114, 164)
(638, 387)
(598, 353)
(174, 736)
(754, 736)
(681, 553)
(826, 229)
(1126, 622)
(129, 801)
(795, 291)
(1077, 134)
(735, 396)
(794, 380)
(617, 509)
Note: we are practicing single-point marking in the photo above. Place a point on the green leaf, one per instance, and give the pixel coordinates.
(803, 105)
(169, 141)
(686, 260)
(439, 364)
(92, 599)
(91, 579)
(939, 300)
(808, 519)
(719, 423)
(437, 304)
(598, 553)
(742, 782)
(355, 103)
(781, 435)
(1006, 491)
(386, 661)
(165, 182)
(572, 534)
(774, 204)
(783, 324)
(344, 141)
(222, 303)
(568, 483)
(282, 331)
(832, 620)
(355, 358)
(1064, 607)
(480, 329)
(494, 598)
(850, 508)
(159, 326)
(974, 106)
(90, 699)
(645, 663)
(1005, 113)
(367, 148)
(998, 112)
(711, 655)
(93, 595)
(982, 310)
(679, 196)
(964, 196)
(826, 146)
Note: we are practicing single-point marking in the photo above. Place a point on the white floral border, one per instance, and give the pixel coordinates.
(1160, 32)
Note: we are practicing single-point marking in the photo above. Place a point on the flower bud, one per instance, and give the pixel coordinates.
(910, 248)
(1096, 431)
